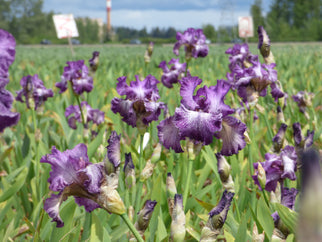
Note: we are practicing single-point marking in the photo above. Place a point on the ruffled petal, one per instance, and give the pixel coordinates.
(232, 135)
(65, 166)
(199, 126)
(169, 135)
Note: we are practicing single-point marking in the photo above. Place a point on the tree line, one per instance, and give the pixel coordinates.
(286, 20)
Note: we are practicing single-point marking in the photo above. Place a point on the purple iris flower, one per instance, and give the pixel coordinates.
(303, 100)
(172, 75)
(201, 117)
(194, 42)
(74, 115)
(77, 73)
(288, 200)
(253, 82)
(301, 143)
(33, 90)
(277, 168)
(139, 107)
(7, 56)
(7, 118)
(72, 175)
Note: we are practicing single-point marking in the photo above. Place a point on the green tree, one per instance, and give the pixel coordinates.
(210, 32)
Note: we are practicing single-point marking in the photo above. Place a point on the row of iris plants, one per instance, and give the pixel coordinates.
(195, 124)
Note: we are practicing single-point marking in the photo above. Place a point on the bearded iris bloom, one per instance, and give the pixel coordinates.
(34, 92)
(194, 42)
(140, 106)
(77, 73)
(172, 75)
(7, 118)
(73, 175)
(7, 56)
(73, 114)
(277, 168)
(201, 117)
(250, 77)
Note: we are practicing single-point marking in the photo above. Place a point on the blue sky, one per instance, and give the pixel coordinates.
(180, 14)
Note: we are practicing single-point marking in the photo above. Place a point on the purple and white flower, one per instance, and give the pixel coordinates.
(140, 106)
(201, 117)
(7, 56)
(194, 42)
(33, 91)
(277, 168)
(73, 114)
(174, 74)
(7, 118)
(303, 100)
(72, 175)
(77, 73)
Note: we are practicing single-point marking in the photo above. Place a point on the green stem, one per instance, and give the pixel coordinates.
(34, 119)
(187, 65)
(131, 227)
(251, 130)
(187, 187)
(265, 197)
(140, 184)
(81, 110)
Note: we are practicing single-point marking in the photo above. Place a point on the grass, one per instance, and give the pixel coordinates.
(21, 195)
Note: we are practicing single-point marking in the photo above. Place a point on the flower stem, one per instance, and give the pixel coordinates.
(131, 227)
(265, 197)
(187, 65)
(187, 187)
(81, 110)
(34, 120)
(140, 184)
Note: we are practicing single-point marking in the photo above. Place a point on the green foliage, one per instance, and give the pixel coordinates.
(21, 197)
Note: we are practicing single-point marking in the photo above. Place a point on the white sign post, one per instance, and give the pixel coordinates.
(66, 28)
(245, 27)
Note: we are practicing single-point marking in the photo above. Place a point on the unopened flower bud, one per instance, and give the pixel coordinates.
(310, 214)
(280, 115)
(94, 61)
(275, 197)
(156, 153)
(148, 53)
(278, 139)
(147, 171)
(171, 186)
(110, 200)
(144, 216)
(223, 167)
(178, 228)
(113, 153)
(261, 175)
(217, 218)
(129, 171)
(171, 192)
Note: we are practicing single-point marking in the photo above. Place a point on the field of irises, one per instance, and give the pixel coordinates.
(187, 142)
